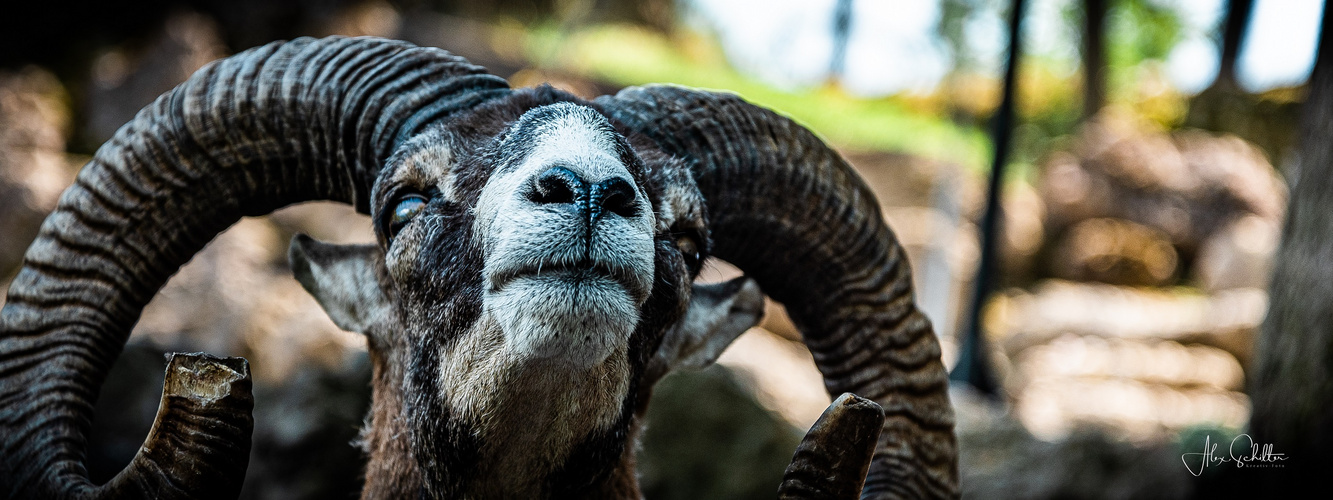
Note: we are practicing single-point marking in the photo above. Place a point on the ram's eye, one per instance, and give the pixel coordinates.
(407, 208)
(689, 248)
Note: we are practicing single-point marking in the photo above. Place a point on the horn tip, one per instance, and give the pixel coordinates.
(849, 402)
(205, 377)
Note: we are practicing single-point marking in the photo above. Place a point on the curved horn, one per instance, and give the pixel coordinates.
(279, 124)
(201, 436)
(793, 215)
(832, 460)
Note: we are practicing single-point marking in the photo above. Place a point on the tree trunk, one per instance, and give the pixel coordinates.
(1292, 387)
(842, 34)
(974, 364)
(1094, 56)
(1237, 20)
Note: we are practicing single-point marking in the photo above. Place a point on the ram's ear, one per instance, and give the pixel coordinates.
(342, 278)
(718, 313)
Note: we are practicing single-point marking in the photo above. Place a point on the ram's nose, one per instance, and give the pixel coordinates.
(590, 198)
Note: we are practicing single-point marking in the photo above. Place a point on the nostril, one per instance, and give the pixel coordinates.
(560, 185)
(556, 185)
(615, 195)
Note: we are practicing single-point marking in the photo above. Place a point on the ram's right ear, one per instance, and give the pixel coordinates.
(343, 279)
(718, 313)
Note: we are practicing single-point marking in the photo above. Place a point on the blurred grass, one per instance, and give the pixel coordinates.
(1050, 106)
(706, 437)
(627, 55)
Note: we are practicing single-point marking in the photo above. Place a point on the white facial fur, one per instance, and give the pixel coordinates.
(547, 307)
(547, 363)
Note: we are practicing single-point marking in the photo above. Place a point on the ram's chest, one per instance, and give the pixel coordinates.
(529, 416)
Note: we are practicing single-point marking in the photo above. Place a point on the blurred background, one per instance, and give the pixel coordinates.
(1141, 208)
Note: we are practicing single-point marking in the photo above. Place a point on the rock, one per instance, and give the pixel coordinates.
(1161, 362)
(1140, 364)
(780, 373)
(1115, 251)
(706, 437)
(325, 221)
(898, 179)
(1188, 185)
(237, 298)
(34, 170)
(1022, 231)
(1238, 256)
(366, 18)
(1018, 320)
(998, 458)
(125, 81)
(1138, 390)
(311, 379)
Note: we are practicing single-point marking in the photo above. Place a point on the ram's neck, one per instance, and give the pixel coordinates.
(544, 431)
(525, 428)
(539, 422)
(391, 471)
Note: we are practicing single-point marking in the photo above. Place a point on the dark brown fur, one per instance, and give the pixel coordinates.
(306, 120)
(448, 268)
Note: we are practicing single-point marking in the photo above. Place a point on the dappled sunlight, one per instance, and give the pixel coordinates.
(1139, 233)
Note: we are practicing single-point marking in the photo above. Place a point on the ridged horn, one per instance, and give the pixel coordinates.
(279, 124)
(790, 212)
(201, 435)
(832, 460)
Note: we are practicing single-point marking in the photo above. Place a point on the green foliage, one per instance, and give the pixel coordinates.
(630, 56)
(1193, 440)
(706, 437)
(1140, 30)
(1141, 34)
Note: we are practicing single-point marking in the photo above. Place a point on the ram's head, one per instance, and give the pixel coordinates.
(532, 277)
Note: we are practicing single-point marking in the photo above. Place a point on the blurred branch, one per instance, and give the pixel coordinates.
(1237, 21)
(1094, 56)
(842, 32)
(1292, 391)
(1269, 119)
(973, 358)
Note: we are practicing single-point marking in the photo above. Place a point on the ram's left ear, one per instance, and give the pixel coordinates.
(718, 313)
(342, 278)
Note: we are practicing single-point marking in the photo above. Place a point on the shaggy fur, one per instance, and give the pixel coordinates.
(526, 326)
(514, 317)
